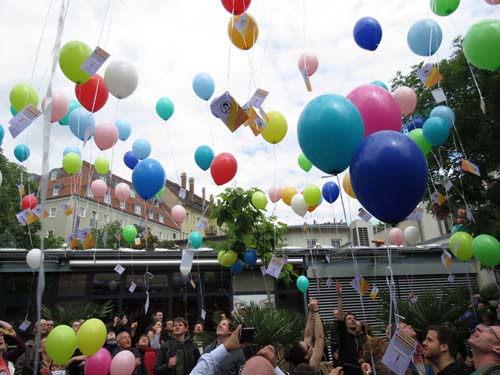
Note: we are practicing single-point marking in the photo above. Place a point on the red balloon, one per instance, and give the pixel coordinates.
(92, 94)
(29, 201)
(223, 168)
(236, 6)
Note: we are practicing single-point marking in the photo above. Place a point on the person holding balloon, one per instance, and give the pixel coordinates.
(124, 343)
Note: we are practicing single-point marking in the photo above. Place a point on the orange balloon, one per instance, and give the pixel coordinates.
(243, 31)
(287, 193)
(346, 184)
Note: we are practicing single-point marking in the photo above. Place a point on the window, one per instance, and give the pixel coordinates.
(174, 236)
(363, 237)
(137, 209)
(93, 219)
(88, 193)
(81, 211)
(56, 190)
(53, 211)
(160, 235)
(107, 198)
(122, 205)
(156, 203)
(132, 193)
(336, 242)
(53, 174)
(311, 243)
(160, 218)
(151, 214)
(105, 219)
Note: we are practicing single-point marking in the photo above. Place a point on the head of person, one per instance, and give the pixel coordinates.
(180, 328)
(169, 326)
(158, 317)
(224, 328)
(439, 342)
(258, 365)
(268, 352)
(198, 328)
(350, 321)
(144, 341)
(43, 327)
(299, 352)
(485, 341)
(123, 340)
(123, 319)
(158, 325)
(50, 325)
(360, 328)
(111, 337)
(407, 328)
(488, 318)
(336, 315)
(75, 324)
(151, 334)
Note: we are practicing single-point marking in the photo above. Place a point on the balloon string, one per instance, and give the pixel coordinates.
(172, 154)
(440, 165)
(103, 22)
(210, 127)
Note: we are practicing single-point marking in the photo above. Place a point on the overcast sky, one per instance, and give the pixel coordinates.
(169, 42)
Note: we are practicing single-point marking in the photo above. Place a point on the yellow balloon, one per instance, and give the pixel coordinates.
(243, 31)
(287, 193)
(346, 184)
(91, 336)
(276, 127)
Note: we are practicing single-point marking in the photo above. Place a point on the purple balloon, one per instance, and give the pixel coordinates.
(99, 363)
(130, 159)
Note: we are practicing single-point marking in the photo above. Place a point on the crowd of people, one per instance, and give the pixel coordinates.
(169, 347)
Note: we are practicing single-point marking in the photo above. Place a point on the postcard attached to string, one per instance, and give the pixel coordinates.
(399, 352)
(258, 98)
(429, 75)
(446, 259)
(119, 269)
(132, 287)
(257, 125)
(363, 214)
(23, 119)
(201, 224)
(94, 61)
(275, 266)
(67, 208)
(229, 111)
(89, 241)
(416, 214)
(306, 79)
(468, 166)
(438, 95)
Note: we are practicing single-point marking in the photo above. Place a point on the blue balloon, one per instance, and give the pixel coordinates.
(389, 175)
(124, 129)
(367, 33)
(2, 133)
(424, 37)
(250, 257)
(444, 112)
(415, 122)
(196, 239)
(130, 159)
(73, 104)
(302, 283)
(73, 149)
(380, 84)
(330, 191)
(22, 152)
(141, 148)
(203, 85)
(203, 157)
(436, 131)
(329, 130)
(148, 178)
(237, 267)
(13, 111)
(165, 108)
(82, 124)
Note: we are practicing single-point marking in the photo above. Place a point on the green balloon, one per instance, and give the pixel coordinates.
(72, 163)
(101, 165)
(72, 56)
(219, 256)
(486, 250)
(91, 336)
(304, 163)
(259, 200)
(312, 195)
(129, 233)
(481, 45)
(229, 258)
(161, 192)
(461, 245)
(417, 135)
(61, 344)
(444, 7)
(21, 95)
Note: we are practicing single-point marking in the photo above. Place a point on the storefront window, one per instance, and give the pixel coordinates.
(72, 284)
(105, 283)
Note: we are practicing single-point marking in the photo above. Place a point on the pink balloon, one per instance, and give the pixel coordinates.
(406, 98)
(179, 213)
(98, 188)
(493, 2)
(122, 191)
(309, 63)
(60, 106)
(123, 363)
(396, 236)
(274, 194)
(379, 109)
(105, 135)
(99, 363)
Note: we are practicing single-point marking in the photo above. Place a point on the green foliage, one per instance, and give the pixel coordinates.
(114, 230)
(53, 242)
(64, 314)
(490, 292)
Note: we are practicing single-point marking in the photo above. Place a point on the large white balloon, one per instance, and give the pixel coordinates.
(121, 79)
(299, 205)
(411, 235)
(34, 258)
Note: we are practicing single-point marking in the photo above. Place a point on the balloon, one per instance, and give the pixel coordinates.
(223, 168)
(276, 127)
(99, 363)
(21, 95)
(396, 236)
(82, 124)
(247, 39)
(60, 106)
(34, 258)
(122, 191)
(61, 344)
(436, 131)
(274, 194)
(380, 84)
(406, 98)
(416, 122)
(13, 111)
(287, 193)
(124, 129)
(165, 108)
(299, 205)
(236, 6)
(378, 108)
(121, 79)
(461, 245)
(186, 262)
(424, 37)
(72, 162)
(308, 63)
(417, 135)
(367, 33)
(22, 152)
(228, 258)
(148, 178)
(250, 257)
(196, 239)
(444, 112)
(312, 195)
(98, 188)
(444, 7)
(141, 148)
(330, 191)
(481, 45)
(411, 235)
(71, 57)
(486, 249)
(92, 94)
(220, 254)
(313, 207)
(101, 165)
(178, 213)
(160, 193)
(73, 104)
(29, 201)
(105, 135)
(237, 267)
(203, 156)
(2, 133)
(130, 159)
(1, 178)
(129, 233)
(329, 129)
(304, 163)
(346, 185)
(123, 363)
(302, 283)
(203, 85)
(380, 172)
(259, 200)
(493, 2)
(91, 336)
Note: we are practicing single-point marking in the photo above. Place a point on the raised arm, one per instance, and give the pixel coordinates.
(308, 332)
(339, 295)
(319, 340)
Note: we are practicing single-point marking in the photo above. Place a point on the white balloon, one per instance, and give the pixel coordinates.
(299, 205)
(121, 79)
(411, 235)
(34, 258)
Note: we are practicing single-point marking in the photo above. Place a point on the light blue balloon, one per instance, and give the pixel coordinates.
(73, 149)
(73, 104)
(424, 37)
(196, 239)
(444, 112)
(302, 283)
(165, 108)
(141, 148)
(380, 84)
(2, 133)
(203, 157)
(124, 129)
(203, 85)
(13, 111)
(436, 131)
(22, 152)
(82, 123)
(329, 130)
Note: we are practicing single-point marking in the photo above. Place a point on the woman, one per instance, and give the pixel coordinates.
(148, 353)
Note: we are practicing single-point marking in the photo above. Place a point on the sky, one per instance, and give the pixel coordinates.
(169, 42)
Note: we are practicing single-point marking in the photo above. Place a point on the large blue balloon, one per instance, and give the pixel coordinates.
(424, 37)
(329, 130)
(124, 129)
(415, 122)
(22, 152)
(436, 131)
(330, 191)
(73, 149)
(368, 33)
(389, 175)
(130, 159)
(148, 178)
(203, 157)
(82, 124)
(237, 267)
(2, 133)
(73, 104)
(444, 112)
(250, 257)
(203, 85)
(141, 148)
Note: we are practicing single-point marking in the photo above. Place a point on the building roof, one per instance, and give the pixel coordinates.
(196, 202)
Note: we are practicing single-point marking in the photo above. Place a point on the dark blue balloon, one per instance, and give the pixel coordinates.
(330, 191)
(389, 175)
(250, 257)
(130, 159)
(148, 178)
(367, 33)
(415, 122)
(237, 267)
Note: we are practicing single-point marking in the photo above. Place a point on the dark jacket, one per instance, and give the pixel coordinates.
(186, 352)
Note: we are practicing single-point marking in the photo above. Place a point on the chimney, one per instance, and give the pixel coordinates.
(203, 194)
(212, 199)
(191, 188)
(183, 180)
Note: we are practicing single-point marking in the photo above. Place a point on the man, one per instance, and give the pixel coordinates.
(50, 325)
(111, 342)
(157, 317)
(29, 355)
(485, 346)
(441, 348)
(334, 338)
(168, 331)
(7, 357)
(124, 342)
(179, 355)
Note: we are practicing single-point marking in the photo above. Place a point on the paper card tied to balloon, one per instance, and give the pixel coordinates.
(438, 95)
(360, 285)
(446, 259)
(258, 98)
(244, 25)
(67, 208)
(94, 61)
(257, 124)
(229, 111)
(23, 119)
(429, 75)
(20, 189)
(305, 76)
(275, 266)
(468, 166)
(89, 241)
(201, 224)
(364, 215)
(400, 351)
(374, 292)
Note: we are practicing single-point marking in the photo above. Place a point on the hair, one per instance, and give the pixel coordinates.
(488, 316)
(296, 354)
(303, 369)
(446, 336)
(118, 337)
(349, 313)
(180, 319)
(146, 336)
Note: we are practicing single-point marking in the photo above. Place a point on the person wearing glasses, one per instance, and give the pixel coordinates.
(485, 346)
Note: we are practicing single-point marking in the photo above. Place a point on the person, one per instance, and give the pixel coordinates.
(485, 347)
(148, 353)
(28, 356)
(6, 366)
(168, 331)
(50, 325)
(75, 324)
(157, 317)
(124, 342)
(154, 335)
(334, 338)
(120, 323)
(13, 354)
(110, 343)
(46, 365)
(198, 336)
